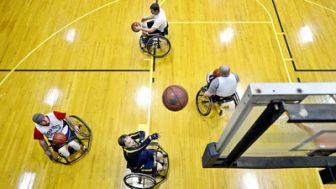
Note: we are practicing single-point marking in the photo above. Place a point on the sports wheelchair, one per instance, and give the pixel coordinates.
(83, 137)
(204, 103)
(141, 179)
(156, 45)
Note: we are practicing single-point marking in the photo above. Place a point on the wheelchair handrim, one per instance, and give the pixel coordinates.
(199, 103)
(151, 180)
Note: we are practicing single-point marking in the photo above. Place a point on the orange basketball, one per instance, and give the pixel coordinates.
(59, 138)
(133, 26)
(216, 73)
(175, 98)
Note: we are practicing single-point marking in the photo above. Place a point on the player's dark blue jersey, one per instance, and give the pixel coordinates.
(138, 155)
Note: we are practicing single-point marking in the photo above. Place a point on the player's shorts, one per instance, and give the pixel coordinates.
(147, 159)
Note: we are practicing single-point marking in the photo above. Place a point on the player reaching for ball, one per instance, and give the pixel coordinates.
(50, 124)
(222, 83)
(137, 155)
(156, 23)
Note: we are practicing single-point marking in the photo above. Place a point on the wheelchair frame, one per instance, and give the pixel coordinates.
(153, 178)
(84, 139)
(155, 42)
(202, 99)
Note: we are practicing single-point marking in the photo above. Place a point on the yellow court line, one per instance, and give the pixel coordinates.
(146, 127)
(288, 59)
(319, 5)
(277, 39)
(150, 93)
(51, 36)
(220, 22)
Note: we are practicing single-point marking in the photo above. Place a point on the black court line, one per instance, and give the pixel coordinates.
(289, 51)
(315, 70)
(298, 79)
(154, 61)
(76, 70)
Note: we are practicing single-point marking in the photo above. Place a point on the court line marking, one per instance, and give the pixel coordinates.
(146, 127)
(277, 39)
(321, 6)
(76, 70)
(150, 92)
(220, 22)
(51, 36)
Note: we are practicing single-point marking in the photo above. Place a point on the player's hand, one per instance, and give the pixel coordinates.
(143, 19)
(76, 128)
(155, 136)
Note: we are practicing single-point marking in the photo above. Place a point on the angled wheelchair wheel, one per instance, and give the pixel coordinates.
(84, 130)
(203, 103)
(139, 181)
(158, 46)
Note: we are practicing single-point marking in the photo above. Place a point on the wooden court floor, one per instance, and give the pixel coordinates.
(81, 57)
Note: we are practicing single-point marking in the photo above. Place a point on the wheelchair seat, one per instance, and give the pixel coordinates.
(221, 100)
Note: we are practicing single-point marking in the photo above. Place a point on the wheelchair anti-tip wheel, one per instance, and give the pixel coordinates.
(203, 103)
(139, 181)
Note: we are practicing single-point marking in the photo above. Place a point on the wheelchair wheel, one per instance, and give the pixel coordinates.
(142, 44)
(84, 130)
(203, 103)
(158, 46)
(139, 181)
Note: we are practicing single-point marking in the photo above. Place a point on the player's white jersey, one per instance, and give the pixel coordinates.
(55, 126)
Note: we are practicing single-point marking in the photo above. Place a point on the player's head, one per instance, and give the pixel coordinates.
(224, 70)
(155, 8)
(126, 141)
(40, 119)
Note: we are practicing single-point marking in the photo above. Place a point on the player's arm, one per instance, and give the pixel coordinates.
(236, 76)
(147, 18)
(212, 88)
(140, 135)
(63, 116)
(148, 30)
(69, 120)
(156, 25)
(39, 136)
(142, 145)
(134, 150)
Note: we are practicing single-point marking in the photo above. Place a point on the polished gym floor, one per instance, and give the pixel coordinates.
(81, 57)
